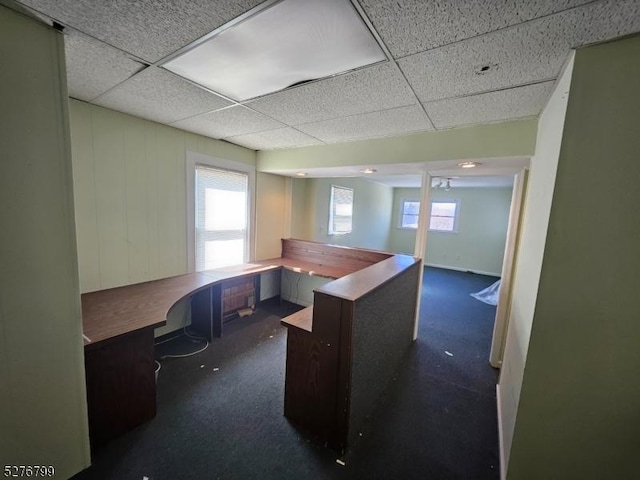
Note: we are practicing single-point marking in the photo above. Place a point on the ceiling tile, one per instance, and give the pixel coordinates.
(150, 29)
(490, 107)
(519, 55)
(379, 87)
(411, 26)
(279, 138)
(601, 21)
(397, 121)
(157, 95)
(93, 67)
(228, 122)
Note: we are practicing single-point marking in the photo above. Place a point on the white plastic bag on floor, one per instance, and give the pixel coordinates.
(488, 295)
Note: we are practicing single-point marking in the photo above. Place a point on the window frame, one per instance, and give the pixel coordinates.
(401, 215)
(456, 217)
(330, 229)
(195, 158)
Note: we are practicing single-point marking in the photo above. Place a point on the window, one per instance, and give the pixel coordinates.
(444, 216)
(340, 210)
(409, 214)
(220, 217)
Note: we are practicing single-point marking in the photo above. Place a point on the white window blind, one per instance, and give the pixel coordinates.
(340, 210)
(221, 217)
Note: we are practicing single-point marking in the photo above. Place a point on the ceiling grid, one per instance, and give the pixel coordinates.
(450, 64)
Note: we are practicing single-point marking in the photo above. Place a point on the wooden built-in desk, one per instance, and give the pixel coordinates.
(343, 351)
(118, 326)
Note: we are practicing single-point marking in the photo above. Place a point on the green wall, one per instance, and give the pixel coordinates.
(130, 198)
(43, 411)
(372, 206)
(478, 245)
(299, 227)
(506, 139)
(528, 261)
(402, 240)
(578, 416)
(130, 195)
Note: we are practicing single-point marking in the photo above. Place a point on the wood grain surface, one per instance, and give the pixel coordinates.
(321, 254)
(109, 313)
(302, 319)
(121, 386)
(363, 281)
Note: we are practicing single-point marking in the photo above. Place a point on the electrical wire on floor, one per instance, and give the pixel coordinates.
(185, 355)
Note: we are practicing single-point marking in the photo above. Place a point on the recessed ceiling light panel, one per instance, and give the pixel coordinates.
(286, 43)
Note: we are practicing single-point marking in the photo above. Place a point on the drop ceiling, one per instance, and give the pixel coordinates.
(451, 63)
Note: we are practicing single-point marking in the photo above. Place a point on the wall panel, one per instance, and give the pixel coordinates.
(110, 197)
(131, 195)
(43, 409)
(136, 201)
(270, 211)
(372, 205)
(478, 244)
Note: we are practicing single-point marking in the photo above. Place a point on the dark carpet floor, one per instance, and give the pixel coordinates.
(220, 412)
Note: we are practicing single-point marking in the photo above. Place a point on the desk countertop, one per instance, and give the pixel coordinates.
(116, 311)
(302, 319)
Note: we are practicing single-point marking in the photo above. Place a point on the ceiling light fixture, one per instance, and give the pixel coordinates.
(446, 185)
(279, 45)
(301, 174)
(368, 170)
(469, 164)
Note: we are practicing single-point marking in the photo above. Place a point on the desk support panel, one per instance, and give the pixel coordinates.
(339, 363)
(204, 304)
(214, 305)
(311, 391)
(121, 386)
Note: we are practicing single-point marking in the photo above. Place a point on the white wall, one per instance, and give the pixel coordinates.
(530, 252)
(43, 412)
(478, 244)
(372, 206)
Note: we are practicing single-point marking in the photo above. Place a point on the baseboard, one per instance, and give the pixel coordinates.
(503, 467)
(297, 301)
(459, 269)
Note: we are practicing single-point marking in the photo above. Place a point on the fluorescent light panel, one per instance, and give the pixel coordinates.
(290, 42)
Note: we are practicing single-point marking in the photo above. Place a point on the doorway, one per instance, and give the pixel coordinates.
(441, 252)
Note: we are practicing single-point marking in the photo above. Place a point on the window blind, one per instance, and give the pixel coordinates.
(221, 217)
(341, 210)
